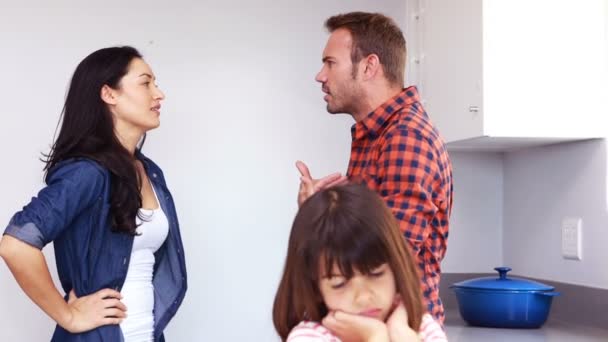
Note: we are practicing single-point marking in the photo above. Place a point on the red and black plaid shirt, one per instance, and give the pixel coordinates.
(397, 151)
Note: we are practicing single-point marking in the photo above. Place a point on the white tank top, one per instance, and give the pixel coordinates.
(138, 291)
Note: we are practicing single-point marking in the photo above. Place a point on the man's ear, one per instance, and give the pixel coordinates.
(108, 95)
(371, 66)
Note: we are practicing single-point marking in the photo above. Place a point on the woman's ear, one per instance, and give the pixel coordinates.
(108, 95)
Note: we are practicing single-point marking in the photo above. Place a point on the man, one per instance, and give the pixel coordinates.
(395, 148)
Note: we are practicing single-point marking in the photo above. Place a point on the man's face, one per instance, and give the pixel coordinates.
(338, 79)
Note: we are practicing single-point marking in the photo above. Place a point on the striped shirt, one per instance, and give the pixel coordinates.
(397, 151)
(308, 331)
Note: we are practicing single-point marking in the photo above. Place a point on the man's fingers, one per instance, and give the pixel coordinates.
(306, 183)
(326, 181)
(303, 169)
(340, 181)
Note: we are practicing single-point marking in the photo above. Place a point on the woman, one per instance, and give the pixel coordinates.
(107, 210)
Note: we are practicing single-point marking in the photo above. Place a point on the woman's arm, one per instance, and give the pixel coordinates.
(31, 271)
(29, 268)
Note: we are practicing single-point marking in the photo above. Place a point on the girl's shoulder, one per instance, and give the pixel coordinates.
(431, 330)
(311, 331)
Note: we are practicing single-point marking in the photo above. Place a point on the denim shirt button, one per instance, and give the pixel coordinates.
(154, 175)
(124, 261)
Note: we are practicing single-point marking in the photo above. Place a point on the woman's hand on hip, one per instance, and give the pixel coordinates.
(89, 312)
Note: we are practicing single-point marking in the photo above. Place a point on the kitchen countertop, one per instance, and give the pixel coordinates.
(459, 331)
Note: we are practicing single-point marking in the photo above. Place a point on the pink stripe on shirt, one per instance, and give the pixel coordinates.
(308, 331)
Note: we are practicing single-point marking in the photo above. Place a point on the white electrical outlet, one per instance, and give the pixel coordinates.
(572, 231)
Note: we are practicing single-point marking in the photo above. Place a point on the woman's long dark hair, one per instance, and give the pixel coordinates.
(87, 130)
(351, 227)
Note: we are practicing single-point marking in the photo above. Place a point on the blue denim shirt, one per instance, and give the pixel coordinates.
(73, 212)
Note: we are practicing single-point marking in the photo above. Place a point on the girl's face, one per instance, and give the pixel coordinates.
(136, 104)
(369, 295)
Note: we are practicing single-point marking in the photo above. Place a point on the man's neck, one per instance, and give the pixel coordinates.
(374, 99)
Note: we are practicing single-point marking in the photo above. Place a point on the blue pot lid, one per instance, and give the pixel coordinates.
(503, 283)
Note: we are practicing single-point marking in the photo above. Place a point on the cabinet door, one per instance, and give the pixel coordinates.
(451, 66)
(515, 69)
(544, 68)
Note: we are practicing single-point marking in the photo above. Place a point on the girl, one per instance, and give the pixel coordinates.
(349, 275)
(107, 210)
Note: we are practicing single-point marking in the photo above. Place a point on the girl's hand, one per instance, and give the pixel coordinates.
(355, 328)
(89, 312)
(398, 329)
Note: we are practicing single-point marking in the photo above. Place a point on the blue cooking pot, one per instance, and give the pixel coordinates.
(504, 302)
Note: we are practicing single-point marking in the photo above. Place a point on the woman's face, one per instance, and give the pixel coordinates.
(369, 295)
(136, 103)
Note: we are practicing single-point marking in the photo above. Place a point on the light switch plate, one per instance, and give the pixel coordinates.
(572, 231)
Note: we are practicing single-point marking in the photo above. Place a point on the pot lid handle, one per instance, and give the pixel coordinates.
(502, 272)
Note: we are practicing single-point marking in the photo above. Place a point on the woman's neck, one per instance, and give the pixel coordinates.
(128, 139)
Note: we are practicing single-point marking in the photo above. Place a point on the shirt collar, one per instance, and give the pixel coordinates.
(373, 124)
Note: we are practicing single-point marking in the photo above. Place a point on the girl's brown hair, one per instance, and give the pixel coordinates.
(351, 227)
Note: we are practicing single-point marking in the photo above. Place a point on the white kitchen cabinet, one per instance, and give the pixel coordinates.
(499, 74)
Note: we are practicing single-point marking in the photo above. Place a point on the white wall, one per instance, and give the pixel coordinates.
(241, 107)
(508, 209)
(543, 185)
(475, 240)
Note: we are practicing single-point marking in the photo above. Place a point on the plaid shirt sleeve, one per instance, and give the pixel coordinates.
(406, 172)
